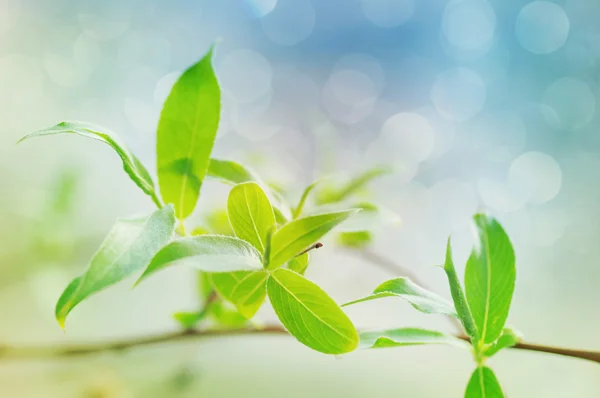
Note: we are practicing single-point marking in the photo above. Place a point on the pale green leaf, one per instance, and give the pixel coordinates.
(458, 296)
(309, 314)
(299, 234)
(209, 253)
(132, 166)
(490, 278)
(298, 210)
(508, 338)
(334, 195)
(420, 298)
(371, 217)
(186, 134)
(406, 337)
(250, 214)
(250, 293)
(299, 263)
(230, 172)
(128, 248)
(226, 282)
(227, 317)
(355, 240)
(483, 384)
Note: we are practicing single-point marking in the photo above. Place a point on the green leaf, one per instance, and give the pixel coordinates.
(250, 293)
(186, 133)
(483, 384)
(422, 299)
(371, 217)
(250, 214)
(299, 234)
(231, 172)
(129, 247)
(334, 195)
(229, 318)
(299, 263)
(458, 296)
(188, 320)
(309, 314)
(132, 166)
(508, 338)
(355, 240)
(406, 337)
(226, 282)
(490, 278)
(298, 210)
(209, 253)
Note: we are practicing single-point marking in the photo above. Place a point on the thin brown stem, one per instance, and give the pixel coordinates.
(67, 351)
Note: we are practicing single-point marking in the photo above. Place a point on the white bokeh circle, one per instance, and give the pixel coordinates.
(290, 22)
(349, 95)
(542, 27)
(568, 103)
(458, 94)
(536, 177)
(246, 74)
(406, 136)
(469, 24)
(386, 13)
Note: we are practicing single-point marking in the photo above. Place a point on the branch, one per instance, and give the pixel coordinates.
(66, 351)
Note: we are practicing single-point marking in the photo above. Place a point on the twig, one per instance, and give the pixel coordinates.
(67, 351)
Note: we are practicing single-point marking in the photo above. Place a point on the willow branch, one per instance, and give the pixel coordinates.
(68, 351)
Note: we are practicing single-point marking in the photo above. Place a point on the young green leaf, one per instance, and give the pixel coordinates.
(230, 172)
(490, 278)
(355, 240)
(298, 210)
(299, 263)
(209, 253)
(483, 384)
(250, 214)
(227, 317)
(186, 134)
(128, 248)
(407, 336)
(298, 234)
(422, 299)
(132, 166)
(309, 314)
(334, 195)
(458, 296)
(250, 293)
(508, 338)
(226, 282)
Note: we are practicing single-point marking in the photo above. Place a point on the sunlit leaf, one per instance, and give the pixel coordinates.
(227, 317)
(458, 296)
(299, 234)
(128, 248)
(209, 253)
(490, 278)
(250, 293)
(226, 282)
(406, 337)
(186, 134)
(420, 298)
(231, 172)
(132, 166)
(483, 384)
(298, 210)
(309, 314)
(355, 240)
(508, 338)
(333, 195)
(250, 214)
(299, 263)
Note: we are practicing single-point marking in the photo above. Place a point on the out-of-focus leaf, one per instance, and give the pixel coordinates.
(128, 248)
(230, 172)
(309, 314)
(371, 217)
(299, 263)
(250, 293)
(226, 282)
(250, 214)
(334, 195)
(132, 166)
(407, 336)
(188, 320)
(186, 133)
(508, 338)
(483, 384)
(298, 210)
(226, 317)
(209, 253)
(218, 222)
(490, 278)
(299, 234)
(458, 296)
(420, 298)
(355, 240)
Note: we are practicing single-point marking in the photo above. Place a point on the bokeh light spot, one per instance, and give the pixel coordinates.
(469, 24)
(246, 74)
(458, 94)
(568, 103)
(388, 13)
(536, 177)
(290, 22)
(542, 27)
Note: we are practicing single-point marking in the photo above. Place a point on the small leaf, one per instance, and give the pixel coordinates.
(226, 282)
(356, 239)
(229, 318)
(309, 314)
(186, 133)
(132, 166)
(508, 338)
(298, 210)
(406, 337)
(334, 195)
(188, 320)
(299, 234)
(128, 248)
(250, 293)
(250, 214)
(458, 296)
(483, 384)
(422, 299)
(490, 278)
(231, 172)
(209, 253)
(299, 263)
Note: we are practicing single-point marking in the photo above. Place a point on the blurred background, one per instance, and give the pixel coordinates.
(476, 104)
